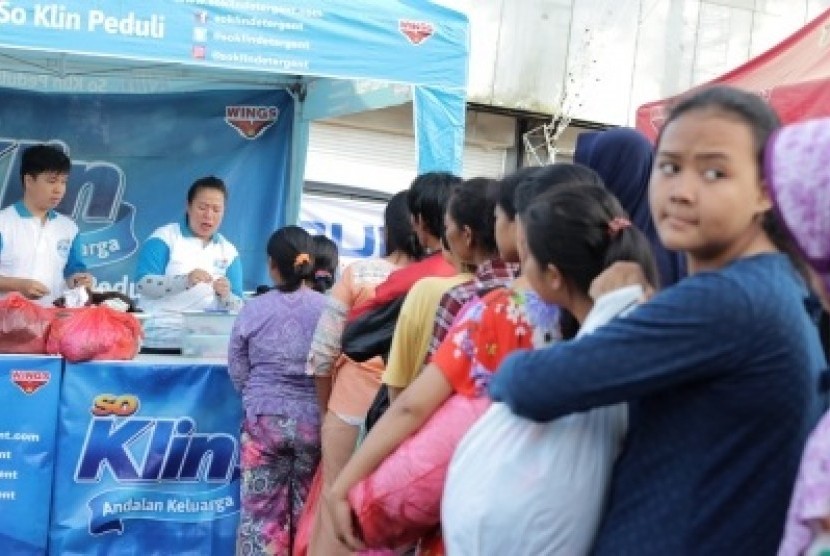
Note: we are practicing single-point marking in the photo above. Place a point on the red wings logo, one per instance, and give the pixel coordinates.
(251, 121)
(416, 31)
(30, 381)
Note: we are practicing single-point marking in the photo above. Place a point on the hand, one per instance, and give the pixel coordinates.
(80, 279)
(340, 512)
(620, 275)
(222, 287)
(32, 289)
(198, 276)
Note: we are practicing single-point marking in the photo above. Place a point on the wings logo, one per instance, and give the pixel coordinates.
(416, 31)
(30, 381)
(251, 121)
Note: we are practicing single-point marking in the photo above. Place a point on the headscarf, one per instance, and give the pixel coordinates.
(623, 157)
(797, 170)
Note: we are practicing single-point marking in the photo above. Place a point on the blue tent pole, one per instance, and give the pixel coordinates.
(439, 116)
(299, 148)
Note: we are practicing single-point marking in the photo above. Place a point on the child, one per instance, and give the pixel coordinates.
(798, 171)
(721, 369)
(504, 320)
(280, 442)
(566, 237)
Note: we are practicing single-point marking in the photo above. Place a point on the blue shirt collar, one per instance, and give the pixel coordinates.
(23, 212)
(187, 232)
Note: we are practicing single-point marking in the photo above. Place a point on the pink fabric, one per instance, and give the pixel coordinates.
(798, 174)
(811, 497)
(401, 500)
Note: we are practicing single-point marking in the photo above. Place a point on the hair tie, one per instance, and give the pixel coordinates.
(322, 274)
(618, 224)
(301, 259)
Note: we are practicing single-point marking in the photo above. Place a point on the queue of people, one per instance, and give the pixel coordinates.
(628, 338)
(676, 427)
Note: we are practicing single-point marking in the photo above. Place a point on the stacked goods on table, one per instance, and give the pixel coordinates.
(100, 328)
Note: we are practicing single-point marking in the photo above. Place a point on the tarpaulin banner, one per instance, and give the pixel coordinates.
(355, 226)
(405, 41)
(135, 156)
(29, 390)
(139, 474)
(792, 77)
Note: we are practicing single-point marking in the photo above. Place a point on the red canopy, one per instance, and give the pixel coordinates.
(793, 76)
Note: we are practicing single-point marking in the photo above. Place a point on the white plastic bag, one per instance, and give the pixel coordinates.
(523, 488)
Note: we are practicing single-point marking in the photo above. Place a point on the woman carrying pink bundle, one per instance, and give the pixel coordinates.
(798, 170)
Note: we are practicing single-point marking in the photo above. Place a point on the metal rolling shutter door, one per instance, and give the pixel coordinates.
(378, 160)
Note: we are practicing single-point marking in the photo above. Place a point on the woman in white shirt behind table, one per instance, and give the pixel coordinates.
(188, 266)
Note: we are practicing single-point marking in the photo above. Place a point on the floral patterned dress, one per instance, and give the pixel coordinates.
(502, 321)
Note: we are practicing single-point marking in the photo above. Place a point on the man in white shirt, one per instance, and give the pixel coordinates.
(40, 253)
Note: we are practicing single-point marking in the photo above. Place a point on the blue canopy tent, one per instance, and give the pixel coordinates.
(327, 57)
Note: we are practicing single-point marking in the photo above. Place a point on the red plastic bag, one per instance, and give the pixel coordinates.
(401, 501)
(94, 333)
(23, 325)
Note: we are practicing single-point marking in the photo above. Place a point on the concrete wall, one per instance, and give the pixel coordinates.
(607, 57)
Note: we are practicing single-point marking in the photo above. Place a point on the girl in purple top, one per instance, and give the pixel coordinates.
(798, 169)
(280, 438)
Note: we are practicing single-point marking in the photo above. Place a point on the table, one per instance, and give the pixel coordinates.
(145, 461)
(29, 391)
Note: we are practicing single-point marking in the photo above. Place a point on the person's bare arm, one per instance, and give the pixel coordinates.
(32, 289)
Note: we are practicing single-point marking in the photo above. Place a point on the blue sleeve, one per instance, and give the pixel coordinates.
(696, 329)
(152, 258)
(234, 276)
(75, 261)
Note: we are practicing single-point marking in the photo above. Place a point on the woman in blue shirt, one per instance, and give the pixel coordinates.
(723, 367)
(188, 265)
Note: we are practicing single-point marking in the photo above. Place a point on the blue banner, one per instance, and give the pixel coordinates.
(409, 41)
(135, 156)
(29, 390)
(141, 475)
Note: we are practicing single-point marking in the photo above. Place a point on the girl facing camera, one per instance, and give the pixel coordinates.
(721, 370)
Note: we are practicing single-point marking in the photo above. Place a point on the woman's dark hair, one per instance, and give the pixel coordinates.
(427, 198)
(506, 189)
(326, 259)
(208, 182)
(550, 177)
(762, 121)
(397, 225)
(444, 243)
(582, 229)
(471, 205)
(291, 250)
(262, 289)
